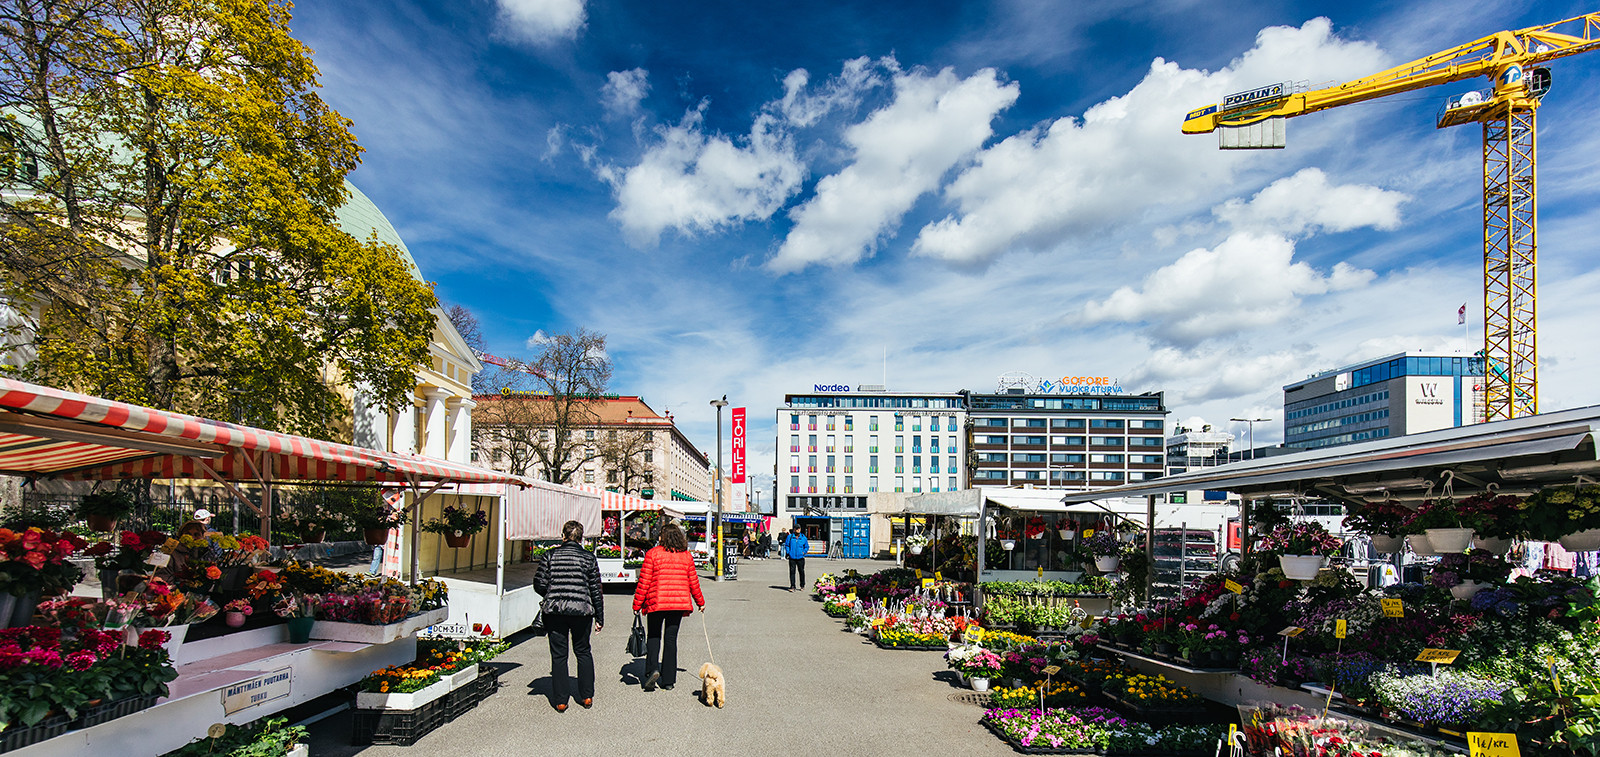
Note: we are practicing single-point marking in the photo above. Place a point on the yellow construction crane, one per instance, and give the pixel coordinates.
(1254, 119)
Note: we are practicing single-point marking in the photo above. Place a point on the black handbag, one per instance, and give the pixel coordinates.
(636, 638)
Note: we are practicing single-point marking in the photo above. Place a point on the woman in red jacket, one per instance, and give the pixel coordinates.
(667, 585)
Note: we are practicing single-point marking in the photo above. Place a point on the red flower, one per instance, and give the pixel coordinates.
(213, 572)
(1234, 617)
(131, 540)
(153, 638)
(100, 548)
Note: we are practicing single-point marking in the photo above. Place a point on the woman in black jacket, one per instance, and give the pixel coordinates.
(569, 580)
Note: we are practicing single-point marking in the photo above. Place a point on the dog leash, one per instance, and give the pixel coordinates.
(707, 630)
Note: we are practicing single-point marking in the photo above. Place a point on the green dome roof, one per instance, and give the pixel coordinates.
(359, 218)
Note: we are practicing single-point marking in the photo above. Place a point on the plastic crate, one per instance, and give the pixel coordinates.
(17, 737)
(397, 727)
(102, 713)
(460, 700)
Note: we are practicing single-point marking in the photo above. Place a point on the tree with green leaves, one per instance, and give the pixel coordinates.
(167, 230)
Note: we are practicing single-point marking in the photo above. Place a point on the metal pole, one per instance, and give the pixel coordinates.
(717, 524)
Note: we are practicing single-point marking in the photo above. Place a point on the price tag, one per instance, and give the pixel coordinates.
(937, 577)
(158, 559)
(851, 597)
(1493, 744)
(1041, 571)
(927, 583)
(974, 633)
(1340, 628)
(919, 572)
(1393, 607)
(1233, 586)
(1087, 622)
(1441, 656)
(1088, 532)
(1052, 670)
(1292, 631)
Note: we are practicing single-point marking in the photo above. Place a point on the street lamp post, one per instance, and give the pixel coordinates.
(1252, 423)
(718, 404)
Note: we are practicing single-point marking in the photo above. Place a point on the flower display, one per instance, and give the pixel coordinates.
(241, 606)
(1449, 698)
(1304, 538)
(130, 551)
(457, 521)
(35, 559)
(43, 670)
(974, 661)
(1149, 691)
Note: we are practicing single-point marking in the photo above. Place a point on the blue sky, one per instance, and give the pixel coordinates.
(751, 197)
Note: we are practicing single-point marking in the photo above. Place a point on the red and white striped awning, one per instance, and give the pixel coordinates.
(610, 500)
(46, 432)
(539, 511)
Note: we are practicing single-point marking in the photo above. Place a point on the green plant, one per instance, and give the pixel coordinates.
(369, 514)
(1553, 513)
(110, 503)
(455, 520)
(272, 737)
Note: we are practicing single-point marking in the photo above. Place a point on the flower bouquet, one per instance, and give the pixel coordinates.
(34, 561)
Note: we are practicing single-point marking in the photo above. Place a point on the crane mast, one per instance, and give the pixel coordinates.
(1507, 114)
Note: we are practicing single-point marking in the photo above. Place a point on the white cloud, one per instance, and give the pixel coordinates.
(1306, 202)
(802, 107)
(538, 340)
(1211, 374)
(1073, 177)
(901, 152)
(693, 181)
(623, 91)
(541, 21)
(1248, 281)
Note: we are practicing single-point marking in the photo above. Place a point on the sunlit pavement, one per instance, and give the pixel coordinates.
(797, 682)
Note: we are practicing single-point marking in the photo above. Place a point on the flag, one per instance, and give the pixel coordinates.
(1461, 315)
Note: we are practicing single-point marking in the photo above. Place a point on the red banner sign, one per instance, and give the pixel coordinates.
(738, 446)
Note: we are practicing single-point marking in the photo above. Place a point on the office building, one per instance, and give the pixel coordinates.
(1399, 394)
(1188, 449)
(1068, 441)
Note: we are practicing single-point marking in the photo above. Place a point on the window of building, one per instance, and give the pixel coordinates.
(872, 483)
(794, 484)
(811, 484)
(991, 457)
(1106, 423)
(916, 423)
(990, 475)
(1106, 441)
(848, 487)
(849, 444)
(849, 423)
(933, 444)
(611, 476)
(830, 423)
(794, 463)
(991, 422)
(649, 436)
(933, 423)
(1039, 440)
(588, 476)
(848, 467)
(811, 443)
(950, 465)
(589, 434)
(1067, 475)
(872, 445)
(1027, 457)
(794, 442)
(899, 444)
(499, 455)
(916, 483)
(830, 485)
(873, 424)
(811, 463)
(899, 464)
(916, 444)
(794, 422)
(830, 443)
(933, 483)
(1105, 475)
(916, 463)
(811, 423)
(1116, 459)
(1000, 440)
(872, 464)
(933, 464)
(1157, 425)
(1144, 441)
(830, 464)
(1148, 459)
(899, 423)
(1059, 459)
(649, 456)
(899, 484)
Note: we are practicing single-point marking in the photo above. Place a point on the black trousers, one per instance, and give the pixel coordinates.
(661, 645)
(800, 566)
(559, 628)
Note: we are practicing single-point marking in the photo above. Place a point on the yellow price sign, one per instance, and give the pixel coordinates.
(1041, 571)
(1393, 607)
(1340, 628)
(1292, 631)
(937, 577)
(1088, 532)
(919, 572)
(974, 633)
(1441, 656)
(927, 583)
(850, 597)
(1485, 744)
(1052, 670)
(1233, 586)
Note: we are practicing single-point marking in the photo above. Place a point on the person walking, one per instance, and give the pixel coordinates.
(795, 549)
(568, 578)
(668, 590)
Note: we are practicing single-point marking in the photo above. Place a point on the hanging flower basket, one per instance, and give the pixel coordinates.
(1301, 567)
(916, 549)
(1421, 546)
(457, 540)
(1582, 541)
(1447, 541)
(1387, 545)
(1107, 564)
(375, 537)
(1008, 544)
(1497, 546)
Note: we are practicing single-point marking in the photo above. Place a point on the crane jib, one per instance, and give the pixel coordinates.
(1257, 96)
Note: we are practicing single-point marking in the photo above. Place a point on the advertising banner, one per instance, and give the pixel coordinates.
(738, 446)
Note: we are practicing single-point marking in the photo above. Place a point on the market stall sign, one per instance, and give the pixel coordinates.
(927, 583)
(1441, 656)
(1041, 571)
(1234, 586)
(937, 577)
(259, 690)
(1393, 608)
(850, 597)
(1292, 631)
(1088, 532)
(1493, 744)
(1340, 628)
(919, 573)
(1087, 622)
(974, 633)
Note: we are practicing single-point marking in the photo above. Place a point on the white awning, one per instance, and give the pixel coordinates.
(966, 503)
(539, 511)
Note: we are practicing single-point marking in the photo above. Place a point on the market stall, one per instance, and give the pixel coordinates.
(502, 596)
(356, 625)
(1499, 633)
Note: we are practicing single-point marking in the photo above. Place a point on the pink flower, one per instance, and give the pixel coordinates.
(81, 660)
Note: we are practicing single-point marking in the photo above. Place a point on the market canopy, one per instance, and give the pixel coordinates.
(968, 503)
(51, 433)
(1516, 456)
(610, 500)
(539, 510)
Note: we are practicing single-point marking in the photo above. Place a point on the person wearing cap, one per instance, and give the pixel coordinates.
(203, 515)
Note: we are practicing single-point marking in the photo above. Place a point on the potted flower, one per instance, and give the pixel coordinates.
(1302, 548)
(102, 509)
(1446, 529)
(1465, 574)
(236, 611)
(1568, 514)
(128, 555)
(980, 667)
(457, 525)
(916, 543)
(1034, 528)
(297, 610)
(376, 520)
(1386, 522)
(1106, 548)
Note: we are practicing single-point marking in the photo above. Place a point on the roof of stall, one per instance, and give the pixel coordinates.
(51, 433)
(966, 503)
(1520, 455)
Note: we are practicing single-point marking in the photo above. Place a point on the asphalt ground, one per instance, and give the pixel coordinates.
(797, 681)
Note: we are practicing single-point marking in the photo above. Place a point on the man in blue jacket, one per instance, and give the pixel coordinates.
(795, 549)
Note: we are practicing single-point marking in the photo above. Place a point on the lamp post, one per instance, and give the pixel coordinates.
(1252, 423)
(718, 404)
